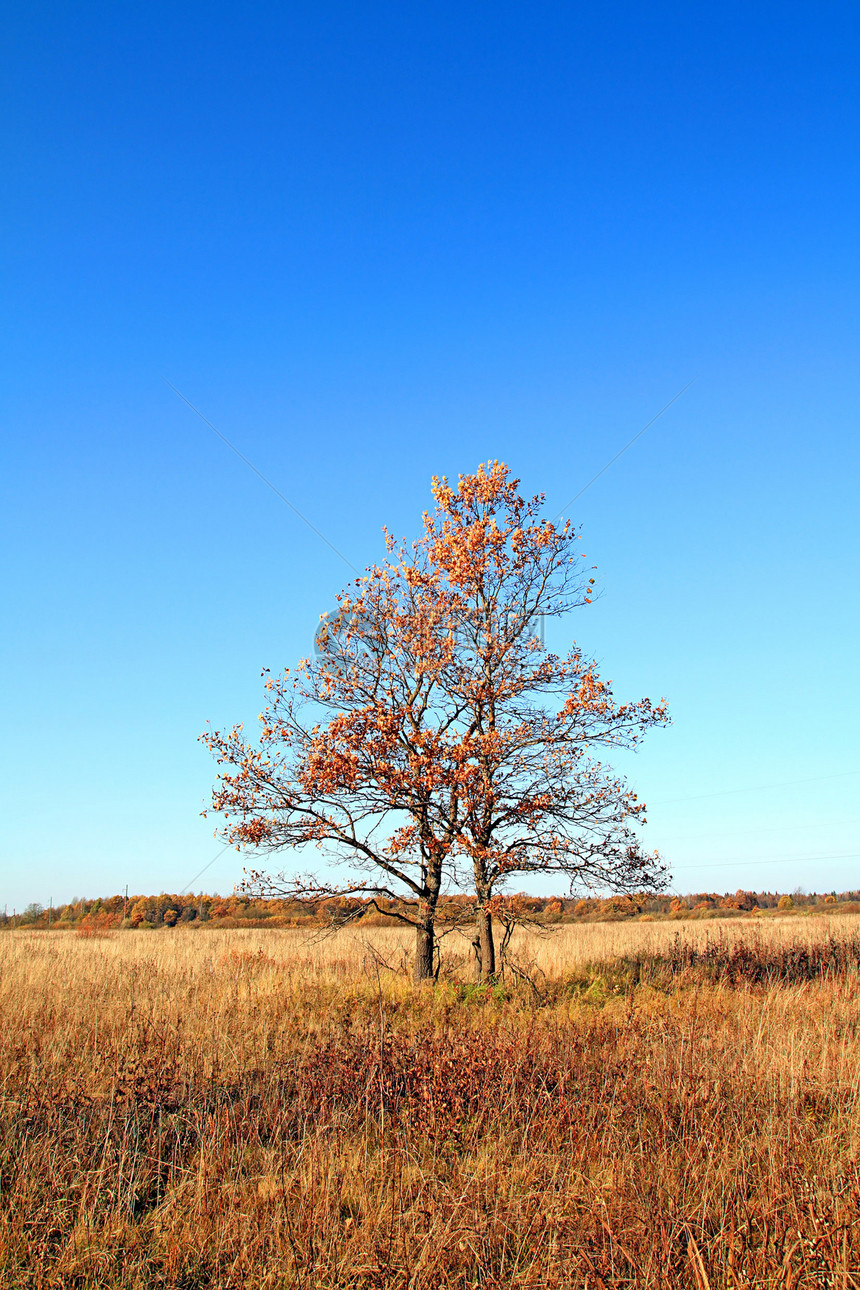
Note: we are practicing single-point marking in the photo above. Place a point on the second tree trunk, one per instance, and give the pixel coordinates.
(485, 944)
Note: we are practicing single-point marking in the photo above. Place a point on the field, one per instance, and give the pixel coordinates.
(638, 1105)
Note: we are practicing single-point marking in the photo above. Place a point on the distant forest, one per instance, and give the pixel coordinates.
(145, 913)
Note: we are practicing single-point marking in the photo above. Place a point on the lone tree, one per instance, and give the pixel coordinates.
(435, 740)
(534, 799)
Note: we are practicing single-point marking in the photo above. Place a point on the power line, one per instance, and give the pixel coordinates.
(260, 475)
(761, 828)
(621, 452)
(749, 864)
(754, 788)
(189, 884)
(322, 536)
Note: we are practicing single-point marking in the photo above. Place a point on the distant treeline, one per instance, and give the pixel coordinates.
(144, 913)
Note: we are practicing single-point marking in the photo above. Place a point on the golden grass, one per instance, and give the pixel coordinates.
(262, 1109)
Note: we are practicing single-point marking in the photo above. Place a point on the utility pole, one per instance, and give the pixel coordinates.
(125, 903)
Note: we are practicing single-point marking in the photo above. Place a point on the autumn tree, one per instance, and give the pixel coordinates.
(532, 796)
(436, 739)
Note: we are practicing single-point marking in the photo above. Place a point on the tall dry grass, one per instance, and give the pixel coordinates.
(260, 1109)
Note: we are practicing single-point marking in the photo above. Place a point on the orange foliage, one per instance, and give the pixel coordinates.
(101, 923)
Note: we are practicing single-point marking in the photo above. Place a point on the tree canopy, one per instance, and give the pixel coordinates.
(435, 740)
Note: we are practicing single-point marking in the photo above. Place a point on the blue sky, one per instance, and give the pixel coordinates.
(373, 243)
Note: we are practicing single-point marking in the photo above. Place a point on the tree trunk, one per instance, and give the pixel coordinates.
(486, 944)
(424, 946)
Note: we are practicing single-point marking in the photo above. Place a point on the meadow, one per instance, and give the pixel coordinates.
(634, 1104)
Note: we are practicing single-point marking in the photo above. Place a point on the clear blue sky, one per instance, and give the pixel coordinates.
(377, 242)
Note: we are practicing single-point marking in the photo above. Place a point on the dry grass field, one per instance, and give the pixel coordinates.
(639, 1105)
